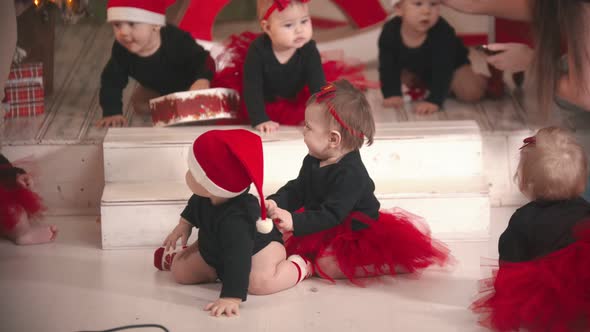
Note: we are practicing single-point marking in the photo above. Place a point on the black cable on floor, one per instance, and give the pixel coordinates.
(128, 327)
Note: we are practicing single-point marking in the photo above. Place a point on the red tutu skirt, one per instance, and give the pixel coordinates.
(551, 293)
(229, 74)
(15, 200)
(394, 240)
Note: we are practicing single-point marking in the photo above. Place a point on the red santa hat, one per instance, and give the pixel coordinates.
(141, 11)
(226, 162)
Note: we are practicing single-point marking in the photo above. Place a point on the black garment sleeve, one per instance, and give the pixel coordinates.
(254, 86)
(389, 65)
(8, 172)
(513, 242)
(345, 190)
(291, 196)
(113, 80)
(189, 213)
(190, 55)
(316, 78)
(443, 55)
(4, 161)
(237, 242)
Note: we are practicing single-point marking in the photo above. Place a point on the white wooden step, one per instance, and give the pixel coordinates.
(400, 150)
(142, 214)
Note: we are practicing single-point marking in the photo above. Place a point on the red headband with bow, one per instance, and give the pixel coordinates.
(280, 5)
(528, 141)
(325, 95)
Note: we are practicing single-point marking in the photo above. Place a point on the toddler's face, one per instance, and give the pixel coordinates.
(316, 132)
(138, 38)
(290, 28)
(419, 15)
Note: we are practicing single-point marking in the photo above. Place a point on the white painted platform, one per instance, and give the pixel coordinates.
(432, 169)
(142, 214)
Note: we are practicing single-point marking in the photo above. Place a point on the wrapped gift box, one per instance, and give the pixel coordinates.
(205, 106)
(24, 93)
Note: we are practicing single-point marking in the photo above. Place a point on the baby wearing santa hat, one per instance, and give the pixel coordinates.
(236, 242)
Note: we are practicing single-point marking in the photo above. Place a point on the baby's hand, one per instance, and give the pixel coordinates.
(395, 101)
(182, 230)
(270, 206)
(200, 84)
(284, 220)
(513, 57)
(267, 127)
(424, 108)
(229, 306)
(24, 180)
(112, 121)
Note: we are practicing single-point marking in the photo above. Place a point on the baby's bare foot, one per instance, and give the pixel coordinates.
(38, 234)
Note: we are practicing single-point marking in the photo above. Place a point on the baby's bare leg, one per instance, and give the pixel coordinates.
(189, 267)
(28, 231)
(141, 99)
(271, 272)
(467, 85)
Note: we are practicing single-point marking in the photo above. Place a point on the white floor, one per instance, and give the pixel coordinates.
(73, 285)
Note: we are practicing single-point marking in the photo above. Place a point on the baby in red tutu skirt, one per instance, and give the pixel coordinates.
(20, 208)
(276, 71)
(331, 208)
(543, 280)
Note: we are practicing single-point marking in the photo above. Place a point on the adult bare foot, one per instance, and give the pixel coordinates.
(38, 234)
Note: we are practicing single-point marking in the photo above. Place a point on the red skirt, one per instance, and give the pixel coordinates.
(15, 200)
(394, 240)
(229, 74)
(551, 293)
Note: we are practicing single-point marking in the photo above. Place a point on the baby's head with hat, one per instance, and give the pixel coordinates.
(222, 164)
(137, 23)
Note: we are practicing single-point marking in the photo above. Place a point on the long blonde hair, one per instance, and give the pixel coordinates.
(559, 23)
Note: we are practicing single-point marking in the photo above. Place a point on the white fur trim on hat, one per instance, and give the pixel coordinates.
(200, 176)
(132, 14)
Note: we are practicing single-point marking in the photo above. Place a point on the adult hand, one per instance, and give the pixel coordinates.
(514, 57)
(466, 6)
(112, 121)
(509, 9)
